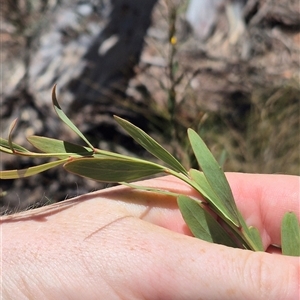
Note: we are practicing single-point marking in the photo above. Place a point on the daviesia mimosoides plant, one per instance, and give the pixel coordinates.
(229, 228)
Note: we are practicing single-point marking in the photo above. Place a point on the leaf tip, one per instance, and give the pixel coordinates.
(54, 98)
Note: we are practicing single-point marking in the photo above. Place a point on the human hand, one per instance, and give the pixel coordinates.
(126, 244)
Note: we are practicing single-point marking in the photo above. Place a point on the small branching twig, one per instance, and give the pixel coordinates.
(229, 228)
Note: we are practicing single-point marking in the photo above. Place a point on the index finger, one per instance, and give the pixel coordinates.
(262, 199)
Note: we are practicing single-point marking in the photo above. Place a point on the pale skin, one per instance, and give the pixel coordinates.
(125, 244)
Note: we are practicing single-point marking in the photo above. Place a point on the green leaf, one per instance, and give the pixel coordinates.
(202, 224)
(214, 174)
(146, 141)
(65, 119)
(14, 174)
(256, 238)
(5, 146)
(150, 189)
(10, 131)
(8, 146)
(49, 145)
(290, 235)
(250, 236)
(209, 194)
(222, 158)
(112, 169)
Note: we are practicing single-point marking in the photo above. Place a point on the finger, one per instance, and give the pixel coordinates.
(264, 199)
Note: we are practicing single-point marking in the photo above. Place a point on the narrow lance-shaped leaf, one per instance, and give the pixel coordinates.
(249, 237)
(150, 189)
(49, 145)
(214, 174)
(202, 224)
(14, 174)
(290, 235)
(208, 193)
(65, 119)
(146, 141)
(256, 238)
(6, 147)
(10, 131)
(21, 151)
(112, 169)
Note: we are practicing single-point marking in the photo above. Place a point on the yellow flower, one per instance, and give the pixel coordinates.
(173, 40)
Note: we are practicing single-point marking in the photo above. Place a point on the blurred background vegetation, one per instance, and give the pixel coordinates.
(228, 69)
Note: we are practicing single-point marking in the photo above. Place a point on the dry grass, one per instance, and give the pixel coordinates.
(267, 141)
(258, 132)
